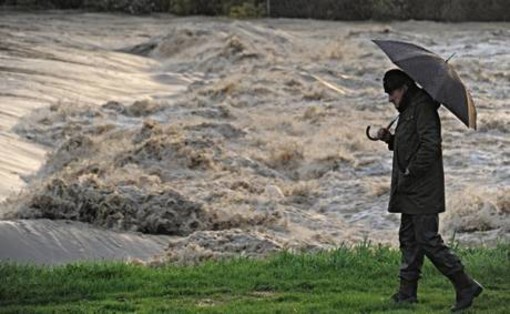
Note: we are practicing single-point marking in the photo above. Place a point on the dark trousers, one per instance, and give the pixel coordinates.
(419, 237)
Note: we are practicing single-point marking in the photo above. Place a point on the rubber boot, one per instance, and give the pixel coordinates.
(407, 292)
(466, 290)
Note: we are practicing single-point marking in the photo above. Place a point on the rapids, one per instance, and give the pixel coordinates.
(219, 137)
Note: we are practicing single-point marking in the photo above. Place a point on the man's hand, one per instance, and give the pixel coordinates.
(384, 135)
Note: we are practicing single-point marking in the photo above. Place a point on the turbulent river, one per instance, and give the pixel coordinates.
(173, 139)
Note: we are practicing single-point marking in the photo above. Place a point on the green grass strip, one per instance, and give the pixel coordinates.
(346, 280)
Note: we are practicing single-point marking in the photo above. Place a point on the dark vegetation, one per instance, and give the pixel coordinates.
(437, 10)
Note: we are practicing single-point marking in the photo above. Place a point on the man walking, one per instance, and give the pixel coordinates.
(418, 192)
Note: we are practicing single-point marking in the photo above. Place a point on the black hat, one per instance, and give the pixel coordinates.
(396, 78)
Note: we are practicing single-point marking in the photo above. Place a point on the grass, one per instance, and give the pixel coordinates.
(346, 280)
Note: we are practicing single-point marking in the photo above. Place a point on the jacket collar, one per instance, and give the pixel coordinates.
(407, 99)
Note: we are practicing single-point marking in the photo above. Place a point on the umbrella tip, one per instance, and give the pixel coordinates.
(453, 54)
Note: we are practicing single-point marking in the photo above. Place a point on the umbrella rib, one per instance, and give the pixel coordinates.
(453, 54)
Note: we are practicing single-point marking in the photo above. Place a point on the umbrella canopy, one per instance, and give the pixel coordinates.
(435, 75)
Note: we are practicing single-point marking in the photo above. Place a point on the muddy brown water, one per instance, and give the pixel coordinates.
(195, 138)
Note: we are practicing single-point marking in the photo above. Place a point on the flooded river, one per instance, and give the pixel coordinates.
(194, 138)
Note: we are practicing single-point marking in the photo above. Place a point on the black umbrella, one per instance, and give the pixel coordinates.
(435, 75)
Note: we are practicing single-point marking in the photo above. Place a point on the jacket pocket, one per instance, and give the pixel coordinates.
(406, 184)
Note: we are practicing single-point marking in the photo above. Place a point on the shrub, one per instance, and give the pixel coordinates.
(189, 7)
(246, 10)
(389, 9)
(439, 10)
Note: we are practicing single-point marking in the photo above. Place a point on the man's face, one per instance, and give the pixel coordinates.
(396, 96)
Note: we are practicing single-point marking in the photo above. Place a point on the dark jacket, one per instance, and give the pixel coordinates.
(417, 182)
